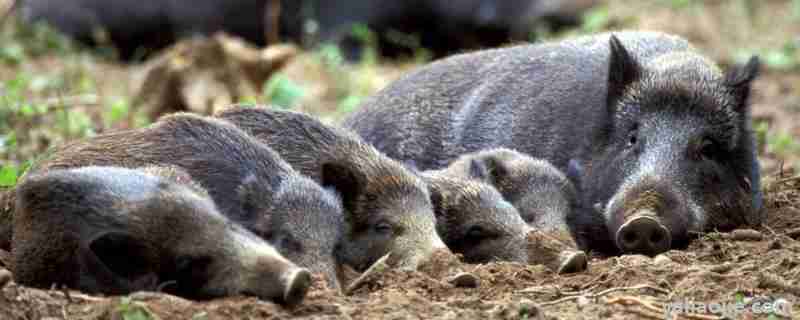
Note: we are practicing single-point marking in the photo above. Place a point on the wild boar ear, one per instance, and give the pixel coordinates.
(497, 170)
(575, 172)
(116, 261)
(346, 181)
(623, 70)
(739, 80)
(478, 170)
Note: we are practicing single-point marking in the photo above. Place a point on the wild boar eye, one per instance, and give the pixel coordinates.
(185, 264)
(708, 149)
(477, 232)
(289, 243)
(633, 136)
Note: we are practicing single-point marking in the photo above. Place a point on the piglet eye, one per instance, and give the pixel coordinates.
(383, 227)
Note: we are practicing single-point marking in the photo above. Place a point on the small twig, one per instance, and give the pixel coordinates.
(554, 302)
(794, 233)
(771, 281)
(376, 268)
(627, 301)
(163, 285)
(789, 179)
(606, 292)
(772, 231)
(636, 287)
(535, 290)
(80, 296)
(593, 283)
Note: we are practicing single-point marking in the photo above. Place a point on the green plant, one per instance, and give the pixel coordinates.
(369, 43)
(761, 129)
(74, 124)
(200, 316)
(677, 4)
(782, 144)
(784, 58)
(282, 91)
(596, 19)
(330, 56)
(796, 9)
(352, 82)
(9, 174)
(118, 110)
(23, 40)
(129, 310)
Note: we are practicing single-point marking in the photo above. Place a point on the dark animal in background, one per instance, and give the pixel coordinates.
(247, 180)
(114, 231)
(440, 26)
(543, 194)
(473, 219)
(388, 207)
(657, 137)
(136, 27)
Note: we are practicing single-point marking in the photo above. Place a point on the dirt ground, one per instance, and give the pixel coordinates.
(749, 270)
(754, 269)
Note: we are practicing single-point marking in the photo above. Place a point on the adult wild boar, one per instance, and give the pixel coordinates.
(657, 138)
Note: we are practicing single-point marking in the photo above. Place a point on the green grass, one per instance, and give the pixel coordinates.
(9, 174)
(784, 58)
(783, 144)
(282, 92)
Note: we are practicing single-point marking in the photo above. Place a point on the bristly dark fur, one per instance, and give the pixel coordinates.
(115, 231)
(583, 101)
(248, 181)
(474, 220)
(387, 207)
(542, 194)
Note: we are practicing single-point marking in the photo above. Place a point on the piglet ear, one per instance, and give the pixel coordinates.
(116, 263)
(411, 165)
(437, 200)
(739, 80)
(250, 193)
(497, 170)
(346, 181)
(623, 70)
